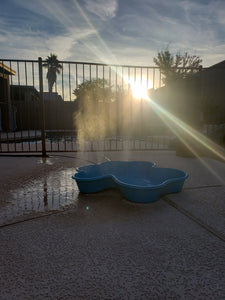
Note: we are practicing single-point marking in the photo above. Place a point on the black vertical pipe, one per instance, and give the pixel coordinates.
(42, 108)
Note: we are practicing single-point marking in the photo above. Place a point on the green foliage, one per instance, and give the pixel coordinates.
(176, 66)
(97, 90)
(54, 68)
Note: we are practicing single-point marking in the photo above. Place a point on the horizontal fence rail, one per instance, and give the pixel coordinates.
(97, 107)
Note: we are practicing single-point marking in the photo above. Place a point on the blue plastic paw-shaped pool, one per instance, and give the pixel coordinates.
(138, 181)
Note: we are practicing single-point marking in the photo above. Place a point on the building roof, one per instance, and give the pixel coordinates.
(30, 88)
(52, 96)
(218, 65)
(6, 70)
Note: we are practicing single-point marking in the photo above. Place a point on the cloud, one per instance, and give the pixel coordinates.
(184, 26)
(77, 30)
(112, 32)
(30, 41)
(104, 9)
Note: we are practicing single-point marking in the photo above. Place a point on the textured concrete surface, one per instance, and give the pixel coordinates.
(205, 204)
(58, 244)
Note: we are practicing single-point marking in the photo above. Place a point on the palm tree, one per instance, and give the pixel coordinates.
(54, 68)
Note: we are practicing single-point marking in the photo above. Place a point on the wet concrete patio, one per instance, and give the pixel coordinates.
(59, 244)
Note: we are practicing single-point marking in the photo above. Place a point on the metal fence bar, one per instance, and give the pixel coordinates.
(62, 83)
(42, 108)
(69, 82)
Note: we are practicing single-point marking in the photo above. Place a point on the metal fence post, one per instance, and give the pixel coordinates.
(42, 108)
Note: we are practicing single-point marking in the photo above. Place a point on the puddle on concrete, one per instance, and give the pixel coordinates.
(53, 192)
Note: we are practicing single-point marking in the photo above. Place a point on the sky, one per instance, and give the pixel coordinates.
(128, 32)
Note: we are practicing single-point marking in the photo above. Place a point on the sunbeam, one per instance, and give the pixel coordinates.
(139, 87)
(190, 137)
(106, 54)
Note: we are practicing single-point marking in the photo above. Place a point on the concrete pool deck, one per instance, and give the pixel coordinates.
(58, 244)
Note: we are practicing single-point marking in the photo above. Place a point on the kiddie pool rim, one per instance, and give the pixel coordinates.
(132, 186)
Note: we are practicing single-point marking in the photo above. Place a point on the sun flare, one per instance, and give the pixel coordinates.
(140, 88)
(139, 91)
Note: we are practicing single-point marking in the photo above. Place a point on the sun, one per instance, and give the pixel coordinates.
(140, 89)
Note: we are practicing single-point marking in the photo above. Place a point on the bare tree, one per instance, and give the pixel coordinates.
(176, 66)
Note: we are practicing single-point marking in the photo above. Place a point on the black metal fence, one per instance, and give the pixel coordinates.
(98, 107)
